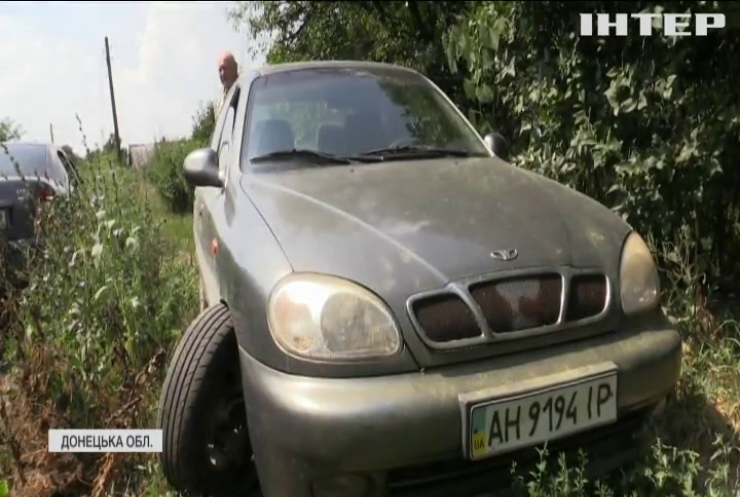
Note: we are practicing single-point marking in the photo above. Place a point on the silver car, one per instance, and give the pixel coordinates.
(390, 308)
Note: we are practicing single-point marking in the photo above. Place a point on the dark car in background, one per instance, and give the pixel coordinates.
(30, 174)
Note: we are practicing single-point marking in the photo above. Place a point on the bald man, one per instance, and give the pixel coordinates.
(228, 72)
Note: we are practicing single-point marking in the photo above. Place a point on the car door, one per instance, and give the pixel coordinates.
(209, 201)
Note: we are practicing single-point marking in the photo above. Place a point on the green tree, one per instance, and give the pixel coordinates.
(648, 125)
(405, 33)
(71, 154)
(109, 147)
(9, 130)
(204, 123)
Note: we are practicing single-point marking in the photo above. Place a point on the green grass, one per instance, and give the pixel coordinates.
(147, 480)
(177, 227)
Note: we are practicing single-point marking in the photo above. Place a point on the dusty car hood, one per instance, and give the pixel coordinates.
(404, 227)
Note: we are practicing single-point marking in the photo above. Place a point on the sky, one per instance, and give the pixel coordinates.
(164, 58)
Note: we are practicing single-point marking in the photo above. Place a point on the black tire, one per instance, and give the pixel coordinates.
(203, 373)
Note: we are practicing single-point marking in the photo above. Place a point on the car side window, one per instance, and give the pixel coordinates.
(221, 115)
(69, 167)
(225, 141)
(56, 169)
(227, 132)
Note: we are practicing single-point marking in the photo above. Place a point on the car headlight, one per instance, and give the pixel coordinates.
(323, 317)
(638, 276)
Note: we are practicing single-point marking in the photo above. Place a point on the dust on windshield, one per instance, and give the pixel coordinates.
(349, 112)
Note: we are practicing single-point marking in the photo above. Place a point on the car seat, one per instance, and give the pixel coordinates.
(364, 131)
(273, 135)
(331, 139)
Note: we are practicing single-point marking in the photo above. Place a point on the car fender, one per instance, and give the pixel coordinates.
(208, 277)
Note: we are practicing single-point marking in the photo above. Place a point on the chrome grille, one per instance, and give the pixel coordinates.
(483, 310)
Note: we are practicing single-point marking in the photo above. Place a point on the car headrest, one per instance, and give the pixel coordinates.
(273, 135)
(331, 138)
(364, 132)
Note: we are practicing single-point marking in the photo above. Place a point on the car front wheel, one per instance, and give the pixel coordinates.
(206, 447)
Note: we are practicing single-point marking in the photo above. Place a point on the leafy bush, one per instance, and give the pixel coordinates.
(646, 125)
(164, 171)
(89, 337)
(9, 130)
(204, 123)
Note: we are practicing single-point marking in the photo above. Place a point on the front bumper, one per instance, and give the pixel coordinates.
(398, 431)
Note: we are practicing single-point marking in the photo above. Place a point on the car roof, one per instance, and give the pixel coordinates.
(327, 64)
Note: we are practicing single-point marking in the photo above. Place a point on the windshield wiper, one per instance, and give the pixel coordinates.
(416, 150)
(301, 153)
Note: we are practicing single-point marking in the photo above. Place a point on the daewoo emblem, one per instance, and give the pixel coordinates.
(505, 255)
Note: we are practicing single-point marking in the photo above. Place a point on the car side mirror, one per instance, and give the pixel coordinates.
(498, 145)
(200, 168)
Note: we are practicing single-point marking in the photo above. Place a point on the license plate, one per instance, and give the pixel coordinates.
(539, 411)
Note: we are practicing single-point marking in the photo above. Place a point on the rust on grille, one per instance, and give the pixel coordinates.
(445, 318)
(587, 297)
(521, 303)
(510, 305)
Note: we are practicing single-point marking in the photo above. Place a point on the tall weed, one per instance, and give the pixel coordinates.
(164, 171)
(89, 337)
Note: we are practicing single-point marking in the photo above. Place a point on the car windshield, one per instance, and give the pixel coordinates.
(354, 111)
